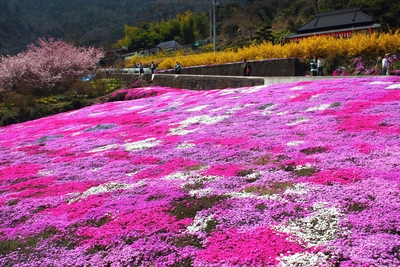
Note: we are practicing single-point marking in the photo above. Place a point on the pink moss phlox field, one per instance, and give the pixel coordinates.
(294, 174)
(256, 248)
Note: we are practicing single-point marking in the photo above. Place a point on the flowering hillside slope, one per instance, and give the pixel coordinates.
(296, 174)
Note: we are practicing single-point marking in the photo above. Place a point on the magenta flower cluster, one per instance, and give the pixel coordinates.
(295, 174)
(340, 71)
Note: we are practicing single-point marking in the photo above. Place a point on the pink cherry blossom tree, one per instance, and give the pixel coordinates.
(44, 65)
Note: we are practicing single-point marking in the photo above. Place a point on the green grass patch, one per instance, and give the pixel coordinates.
(189, 206)
(187, 240)
(210, 226)
(356, 207)
(96, 249)
(261, 207)
(155, 197)
(22, 245)
(304, 171)
(187, 262)
(272, 188)
(18, 107)
(269, 159)
(335, 105)
(268, 105)
(313, 150)
(243, 173)
(12, 202)
(194, 186)
(195, 167)
(99, 222)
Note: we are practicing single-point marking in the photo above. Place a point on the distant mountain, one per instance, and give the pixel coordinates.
(100, 22)
(84, 22)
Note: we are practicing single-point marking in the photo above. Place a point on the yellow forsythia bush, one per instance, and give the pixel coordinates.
(326, 46)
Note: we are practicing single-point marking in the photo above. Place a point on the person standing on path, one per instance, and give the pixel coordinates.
(248, 70)
(245, 65)
(313, 66)
(141, 70)
(378, 63)
(389, 63)
(178, 68)
(385, 64)
(320, 66)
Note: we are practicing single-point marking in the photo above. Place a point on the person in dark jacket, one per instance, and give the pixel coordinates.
(141, 70)
(313, 66)
(245, 65)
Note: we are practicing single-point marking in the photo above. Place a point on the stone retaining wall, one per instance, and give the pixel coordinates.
(205, 82)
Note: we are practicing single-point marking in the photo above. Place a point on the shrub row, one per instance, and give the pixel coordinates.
(328, 47)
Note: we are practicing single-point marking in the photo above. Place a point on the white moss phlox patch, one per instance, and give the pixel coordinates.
(296, 88)
(320, 107)
(104, 188)
(199, 108)
(394, 86)
(297, 121)
(318, 228)
(102, 148)
(318, 259)
(294, 143)
(143, 144)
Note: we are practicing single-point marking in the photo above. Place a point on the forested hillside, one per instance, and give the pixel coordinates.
(101, 22)
(83, 22)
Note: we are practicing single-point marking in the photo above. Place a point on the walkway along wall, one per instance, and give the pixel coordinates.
(223, 75)
(208, 82)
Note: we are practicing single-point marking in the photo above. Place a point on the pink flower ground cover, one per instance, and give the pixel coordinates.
(295, 174)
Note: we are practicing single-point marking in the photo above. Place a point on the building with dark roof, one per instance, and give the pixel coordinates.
(340, 23)
(169, 46)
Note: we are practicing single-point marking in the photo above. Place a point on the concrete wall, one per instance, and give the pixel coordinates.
(194, 82)
(261, 68)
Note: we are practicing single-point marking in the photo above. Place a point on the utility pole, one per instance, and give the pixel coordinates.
(211, 24)
(215, 26)
(215, 4)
